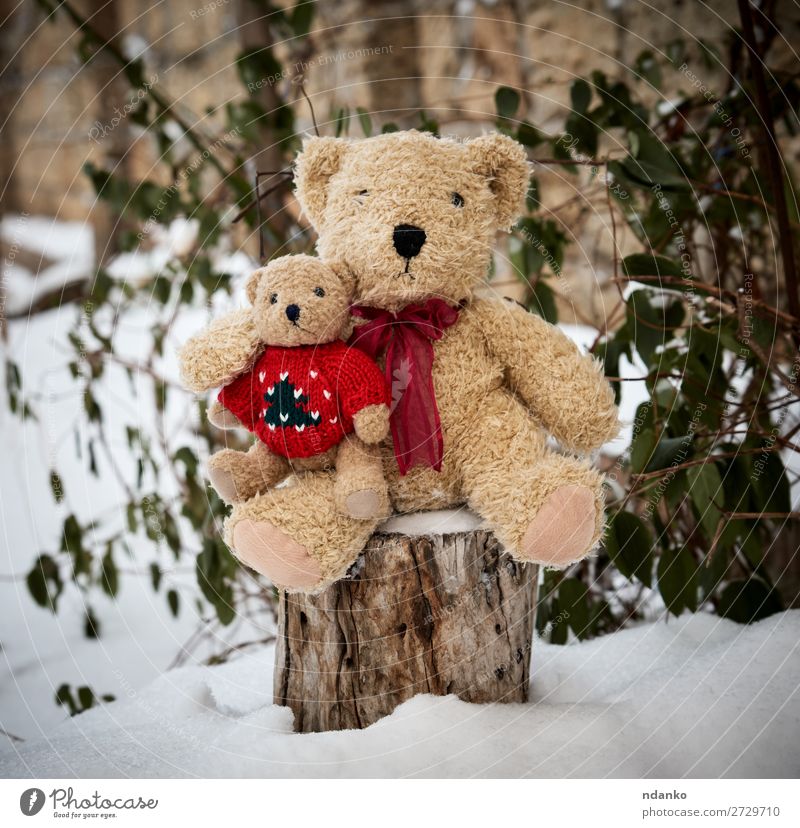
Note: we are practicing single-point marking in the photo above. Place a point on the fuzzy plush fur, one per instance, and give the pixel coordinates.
(229, 348)
(504, 379)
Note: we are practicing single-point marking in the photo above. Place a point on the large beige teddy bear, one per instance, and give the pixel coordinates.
(478, 385)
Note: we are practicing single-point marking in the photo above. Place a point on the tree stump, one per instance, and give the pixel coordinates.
(434, 614)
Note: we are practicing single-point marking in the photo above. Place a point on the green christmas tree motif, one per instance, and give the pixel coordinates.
(285, 407)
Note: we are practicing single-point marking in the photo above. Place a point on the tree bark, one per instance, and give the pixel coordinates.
(433, 614)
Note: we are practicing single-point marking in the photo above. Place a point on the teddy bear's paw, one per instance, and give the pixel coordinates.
(366, 504)
(272, 553)
(238, 476)
(564, 527)
(224, 484)
(220, 417)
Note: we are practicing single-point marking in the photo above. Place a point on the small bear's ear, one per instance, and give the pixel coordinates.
(320, 159)
(253, 281)
(503, 161)
(344, 275)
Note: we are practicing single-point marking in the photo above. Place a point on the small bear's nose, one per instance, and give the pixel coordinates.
(408, 240)
(293, 312)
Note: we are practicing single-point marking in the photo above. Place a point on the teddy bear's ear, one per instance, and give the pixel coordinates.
(320, 159)
(251, 286)
(344, 275)
(503, 161)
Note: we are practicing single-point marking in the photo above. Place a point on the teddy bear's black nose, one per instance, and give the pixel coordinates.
(293, 312)
(408, 240)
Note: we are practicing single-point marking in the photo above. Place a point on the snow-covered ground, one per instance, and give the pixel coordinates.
(696, 697)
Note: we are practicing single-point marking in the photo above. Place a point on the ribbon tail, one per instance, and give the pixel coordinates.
(416, 427)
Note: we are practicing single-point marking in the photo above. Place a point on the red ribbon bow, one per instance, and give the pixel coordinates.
(407, 339)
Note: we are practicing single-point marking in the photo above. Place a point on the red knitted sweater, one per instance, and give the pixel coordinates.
(300, 401)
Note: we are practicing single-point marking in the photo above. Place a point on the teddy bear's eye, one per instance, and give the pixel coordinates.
(360, 196)
(319, 291)
(273, 298)
(457, 199)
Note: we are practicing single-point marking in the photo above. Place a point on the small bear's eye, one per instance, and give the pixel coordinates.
(457, 200)
(273, 298)
(319, 291)
(363, 192)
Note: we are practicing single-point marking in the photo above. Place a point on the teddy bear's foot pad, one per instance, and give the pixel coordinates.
(274, 554)
(224, 484)
(563, 528)
(364, 505)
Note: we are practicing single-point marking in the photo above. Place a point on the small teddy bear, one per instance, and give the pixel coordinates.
(313, 402)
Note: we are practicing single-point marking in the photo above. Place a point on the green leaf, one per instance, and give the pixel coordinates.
(72, 543)
(301, 16)
(528, 135)
(642, 447)
(109, 575)
(83, 699)
(63, 698)
(770, 484)
(669, 451)
(705, 489)
(646, 264)
(646, 324)
(91, 407)
(342, 121)
(216, 568)
(560, 151)
(258, 68)
(506, 101)
(583, 132)
(678, 580)
(532, 196)
(654, 164)
(543, 302)
(365, 120)
(44, 582)
(86, 698)
(189, 459)
(91, 626)
(581, 95)
(629, 544)
(574, 603)
(610, 351)
(746, 601)
(173, 602)
(428, 124)
(155, 576)
(56, 486)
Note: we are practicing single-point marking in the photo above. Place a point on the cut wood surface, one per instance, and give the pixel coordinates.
(428, 614)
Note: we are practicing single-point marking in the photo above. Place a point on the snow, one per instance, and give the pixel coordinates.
(49, 237)
(696, 697)
(69, 245)
(434, 522)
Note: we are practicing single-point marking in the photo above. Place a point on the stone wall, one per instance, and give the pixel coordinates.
(393, 57)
